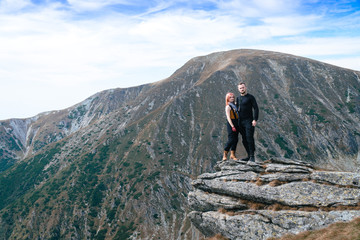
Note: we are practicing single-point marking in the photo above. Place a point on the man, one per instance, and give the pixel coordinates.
(247, 120)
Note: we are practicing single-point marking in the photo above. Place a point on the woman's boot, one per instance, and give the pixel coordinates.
(232, 155)
(225, 155)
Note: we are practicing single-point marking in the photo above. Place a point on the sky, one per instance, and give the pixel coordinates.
(56, 53)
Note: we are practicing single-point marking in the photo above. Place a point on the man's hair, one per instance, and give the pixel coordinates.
(241, 83)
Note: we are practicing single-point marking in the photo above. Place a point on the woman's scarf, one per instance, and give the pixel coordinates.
(234, 108)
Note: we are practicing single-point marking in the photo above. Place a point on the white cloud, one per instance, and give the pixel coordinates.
(177, 29)
(91, 5)
(50, 53)
(339, 51)
(316, 46)
(258, 8)
(291, 25)
(346, 62)
(13, 5)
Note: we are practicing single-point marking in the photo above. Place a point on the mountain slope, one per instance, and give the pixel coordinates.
(20, 138)
(121, 162)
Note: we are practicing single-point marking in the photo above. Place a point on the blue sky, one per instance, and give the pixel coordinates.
(56, 53)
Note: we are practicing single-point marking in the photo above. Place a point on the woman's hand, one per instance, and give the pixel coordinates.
(233, 129)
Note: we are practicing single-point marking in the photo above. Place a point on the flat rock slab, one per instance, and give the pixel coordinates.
(291, 194)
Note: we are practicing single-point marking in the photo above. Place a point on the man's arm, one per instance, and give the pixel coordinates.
(256, 111)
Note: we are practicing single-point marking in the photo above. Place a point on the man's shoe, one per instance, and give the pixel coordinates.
(252, 159)
(245, 159)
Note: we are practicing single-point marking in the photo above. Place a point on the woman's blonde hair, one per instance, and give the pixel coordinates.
(227, 97)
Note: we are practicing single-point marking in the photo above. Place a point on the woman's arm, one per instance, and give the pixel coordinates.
(227, 111)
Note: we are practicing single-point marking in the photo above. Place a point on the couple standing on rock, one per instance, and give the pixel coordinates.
(241, 119)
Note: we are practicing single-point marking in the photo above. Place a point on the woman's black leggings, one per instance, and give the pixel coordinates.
(233, 137)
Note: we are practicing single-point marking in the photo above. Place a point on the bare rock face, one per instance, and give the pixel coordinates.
(258, 201)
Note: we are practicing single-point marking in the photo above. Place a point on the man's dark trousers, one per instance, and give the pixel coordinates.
(247, 133)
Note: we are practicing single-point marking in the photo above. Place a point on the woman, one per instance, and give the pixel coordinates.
(232, 117)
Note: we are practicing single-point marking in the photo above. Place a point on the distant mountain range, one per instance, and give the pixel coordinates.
(120, 163)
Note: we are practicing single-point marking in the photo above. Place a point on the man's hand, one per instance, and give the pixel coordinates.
(254, 123)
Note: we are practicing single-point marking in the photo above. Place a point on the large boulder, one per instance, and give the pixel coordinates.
(258, 201)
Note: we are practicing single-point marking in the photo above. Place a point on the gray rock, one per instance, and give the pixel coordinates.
(265, 224)
(211, 202)
(254, 199)
(286, 161)
(287, 168)
(232, 165)
(290, 194)
(284, 177)
(228, 174)
(340, 178)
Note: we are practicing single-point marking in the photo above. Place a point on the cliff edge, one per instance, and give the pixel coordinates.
(277, 197)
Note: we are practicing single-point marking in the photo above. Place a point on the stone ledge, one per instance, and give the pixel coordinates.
(276, 197)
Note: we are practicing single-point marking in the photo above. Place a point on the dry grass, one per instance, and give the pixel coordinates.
(320, 169)
(336, 231)
(259, 182)
(278, 207)
(309, 209)
(330, 184)
(217, 237)
(341, 208)
(256, 205)
(262, 206)
(224, 211)
(275, 183)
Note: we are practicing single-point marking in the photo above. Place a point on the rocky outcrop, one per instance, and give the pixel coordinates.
(279, 196)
